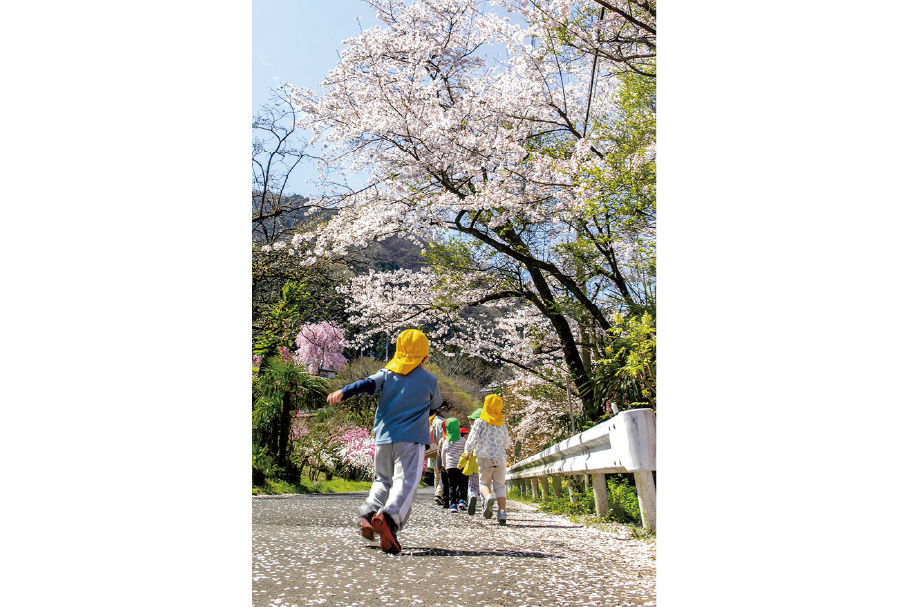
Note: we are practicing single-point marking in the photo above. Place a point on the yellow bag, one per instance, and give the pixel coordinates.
(471, 467)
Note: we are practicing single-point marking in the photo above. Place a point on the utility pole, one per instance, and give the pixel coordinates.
(568, 398)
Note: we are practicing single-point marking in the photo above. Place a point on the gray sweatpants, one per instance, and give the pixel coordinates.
(399, 467)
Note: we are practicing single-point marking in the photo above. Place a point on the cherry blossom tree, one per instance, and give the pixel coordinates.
(622, 33)
(512, 171)
(320, 346)
(539, 412)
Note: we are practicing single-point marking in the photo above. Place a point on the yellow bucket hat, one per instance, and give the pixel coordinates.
(492, 410)
(412, 347)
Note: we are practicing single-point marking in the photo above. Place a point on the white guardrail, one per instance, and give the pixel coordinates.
(625, 443)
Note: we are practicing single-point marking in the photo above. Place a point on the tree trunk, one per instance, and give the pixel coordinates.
(284, 429)
(585, 344)
(569, 345)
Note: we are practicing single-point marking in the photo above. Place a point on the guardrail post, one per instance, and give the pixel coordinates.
(643, 482)
(544, 487)
(573, 489)
(600, 495)
(534, 489)
(557, 485)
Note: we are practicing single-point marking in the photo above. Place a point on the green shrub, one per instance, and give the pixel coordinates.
(276, 486)
(263, 466)
(623, 502)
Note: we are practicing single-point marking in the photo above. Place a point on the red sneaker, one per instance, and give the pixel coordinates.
(386, 528)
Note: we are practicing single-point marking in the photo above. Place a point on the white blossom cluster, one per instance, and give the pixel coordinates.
(440, 129)
(388, 302)
(542, 407)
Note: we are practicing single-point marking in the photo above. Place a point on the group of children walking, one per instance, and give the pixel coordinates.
(409, 396)
(470, 464)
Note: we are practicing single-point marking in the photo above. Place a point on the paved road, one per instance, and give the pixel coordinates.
(307, 551)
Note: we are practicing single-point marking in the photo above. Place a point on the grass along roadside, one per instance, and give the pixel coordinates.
(274, 486)
(337, 485)
(623, 519)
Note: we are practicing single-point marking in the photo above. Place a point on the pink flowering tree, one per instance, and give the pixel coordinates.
(357, 452)
(319, 347)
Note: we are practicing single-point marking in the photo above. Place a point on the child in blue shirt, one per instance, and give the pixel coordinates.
(409, 393)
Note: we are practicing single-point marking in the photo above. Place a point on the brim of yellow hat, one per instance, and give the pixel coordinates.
(404, 364)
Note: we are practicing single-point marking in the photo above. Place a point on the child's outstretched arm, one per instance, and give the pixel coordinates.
(370, 385)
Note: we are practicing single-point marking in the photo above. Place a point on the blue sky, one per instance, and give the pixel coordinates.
(297, 42)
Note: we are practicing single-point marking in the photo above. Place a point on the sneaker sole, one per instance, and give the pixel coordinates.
(366, 530)
(386, 540)
(472, 506)
(487, 511)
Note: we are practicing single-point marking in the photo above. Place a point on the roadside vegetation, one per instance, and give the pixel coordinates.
(623, 505)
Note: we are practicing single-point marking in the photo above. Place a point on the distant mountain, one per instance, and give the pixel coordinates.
(280, 217)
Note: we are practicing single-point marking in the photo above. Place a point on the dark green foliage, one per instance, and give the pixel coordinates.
(263, 465)
(627, 373)
(281, 322)
(281, 389)
(623, 501)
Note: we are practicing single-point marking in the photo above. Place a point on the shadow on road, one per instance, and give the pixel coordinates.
(510, 524)
(427, 551)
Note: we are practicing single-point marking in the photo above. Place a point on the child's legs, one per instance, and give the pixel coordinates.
(437, 480)
(444, 475)
(473, 485)
(408, 468)
(492, 478)
(378, 493)
(485, 473)
(498, 481)
(456, 481)
(462, 487)
(452, 495)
